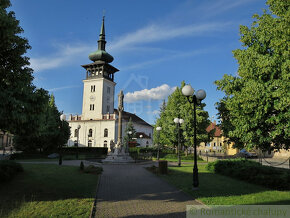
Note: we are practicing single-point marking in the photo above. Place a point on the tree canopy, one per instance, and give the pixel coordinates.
(129, 128)
(178, 107)
(16, 87)
(25, 111)
(255, 110)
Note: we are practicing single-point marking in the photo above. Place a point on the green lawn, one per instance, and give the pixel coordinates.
(48, 191)
(175, 160)
(216, 189)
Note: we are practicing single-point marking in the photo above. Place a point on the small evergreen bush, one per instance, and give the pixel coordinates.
(82, 166)
(93, 169)
(252, 172)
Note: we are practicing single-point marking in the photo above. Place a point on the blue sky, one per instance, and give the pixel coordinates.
(155, 43)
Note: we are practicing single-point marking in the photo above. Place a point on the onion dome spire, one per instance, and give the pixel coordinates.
(101, 54)
(102, 41)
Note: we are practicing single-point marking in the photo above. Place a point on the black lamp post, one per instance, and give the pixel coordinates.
(62, 119)
(77, 153)
(178, 122)
(158, 129)
(194, 99)
(3, 134)
(129, 139)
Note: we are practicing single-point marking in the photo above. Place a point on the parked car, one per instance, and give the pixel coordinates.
(246, 154)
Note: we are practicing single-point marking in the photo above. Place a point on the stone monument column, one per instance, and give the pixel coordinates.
(120, 110)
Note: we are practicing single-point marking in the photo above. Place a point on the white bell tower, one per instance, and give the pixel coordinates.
(99, 85)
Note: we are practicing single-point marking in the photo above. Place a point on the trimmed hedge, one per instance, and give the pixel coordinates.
(94, 152)
(153, 150)
(8, 169)
(84, 150)
(183, 157)
(24, 155)
(252, 172)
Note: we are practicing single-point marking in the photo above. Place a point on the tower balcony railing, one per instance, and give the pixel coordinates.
(109, 116)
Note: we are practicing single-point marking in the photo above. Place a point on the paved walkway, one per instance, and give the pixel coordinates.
(131, 191)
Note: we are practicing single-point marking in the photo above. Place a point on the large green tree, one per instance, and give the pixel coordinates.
(16, 87)
(48, 132)
(178, 107)
(24, 110)
(256, 108)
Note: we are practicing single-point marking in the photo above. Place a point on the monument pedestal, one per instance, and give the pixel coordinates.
(118, 156)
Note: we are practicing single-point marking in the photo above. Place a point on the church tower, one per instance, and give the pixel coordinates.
(99, 85)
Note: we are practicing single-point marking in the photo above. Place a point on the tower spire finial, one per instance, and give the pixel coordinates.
(102, 38)
(102, 33)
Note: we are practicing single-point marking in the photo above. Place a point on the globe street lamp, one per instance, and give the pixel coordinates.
(77, 153)
(194, 99)
(158, 129)
(129, 139)
(178, 122)
(62, 119)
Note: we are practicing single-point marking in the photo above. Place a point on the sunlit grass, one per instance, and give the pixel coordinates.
(48, 191)
(216, 189)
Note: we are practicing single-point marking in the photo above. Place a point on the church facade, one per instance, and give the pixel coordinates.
(97, 126)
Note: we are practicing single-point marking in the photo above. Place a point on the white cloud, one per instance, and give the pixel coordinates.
(61, 88)
(155, 32)
(133, 41)
(221, 6)
(168, 58)
(65, 55)
(158, 93)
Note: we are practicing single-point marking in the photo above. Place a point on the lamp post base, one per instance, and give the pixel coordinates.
(194, 188)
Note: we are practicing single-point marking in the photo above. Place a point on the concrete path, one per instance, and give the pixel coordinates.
(131, 191)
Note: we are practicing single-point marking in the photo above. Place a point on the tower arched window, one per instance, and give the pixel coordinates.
(105, 144)
(90, 143)
(90, 133)
(106, 132)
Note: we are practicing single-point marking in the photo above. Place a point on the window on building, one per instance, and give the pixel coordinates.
(90, 133)
(214, 144)
(106, 133)
(150, 135)
(220, 144)
(108, 90)
(76, 132)
(92, 107)
(90, 143)
(93, 88)
(105, 144)
(108, 108)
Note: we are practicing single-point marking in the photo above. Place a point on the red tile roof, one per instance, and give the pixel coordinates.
(218, 131)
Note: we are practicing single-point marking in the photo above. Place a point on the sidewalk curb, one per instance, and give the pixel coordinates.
(94, 205)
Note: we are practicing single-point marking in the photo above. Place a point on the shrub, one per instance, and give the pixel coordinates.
(183, 157)
(8, 169)
(93, 169)
(82, 166)
(252, 172)
(24, 155)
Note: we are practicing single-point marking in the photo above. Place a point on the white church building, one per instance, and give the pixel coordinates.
(97, 126)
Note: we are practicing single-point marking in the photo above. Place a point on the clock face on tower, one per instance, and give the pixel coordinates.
(92, 98)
